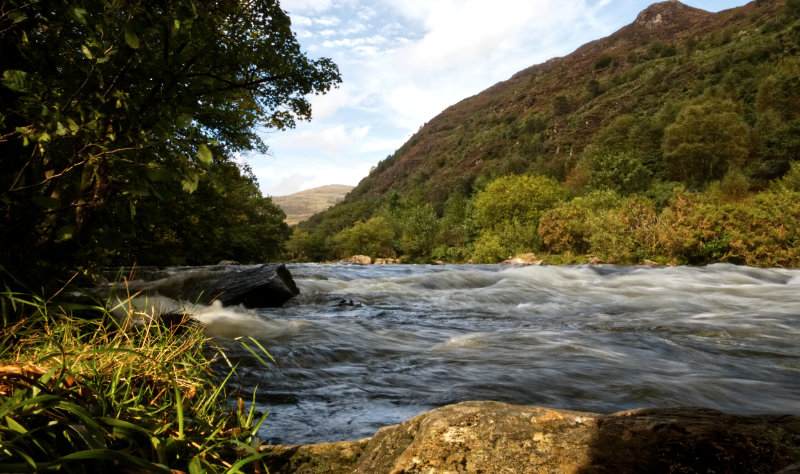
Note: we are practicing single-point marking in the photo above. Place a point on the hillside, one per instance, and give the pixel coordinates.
(681, 97)
(304, 204)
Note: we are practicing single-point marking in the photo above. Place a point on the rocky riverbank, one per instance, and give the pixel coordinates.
(494, 437)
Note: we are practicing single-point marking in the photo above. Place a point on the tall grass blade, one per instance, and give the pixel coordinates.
(239, 464)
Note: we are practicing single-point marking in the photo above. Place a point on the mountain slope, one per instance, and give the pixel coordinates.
(619, 113)
(302, 205)
(468, 138)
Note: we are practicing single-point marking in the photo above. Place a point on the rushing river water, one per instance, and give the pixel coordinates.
(368, 346)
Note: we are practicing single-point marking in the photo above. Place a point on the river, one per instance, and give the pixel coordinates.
(368, 346)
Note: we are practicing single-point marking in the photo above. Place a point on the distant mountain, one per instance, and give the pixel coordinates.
(304, 204)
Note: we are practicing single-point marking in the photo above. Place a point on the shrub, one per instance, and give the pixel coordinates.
(516, 198)
(374, 238)
(613, 228)
(761, 230)
(416, 226)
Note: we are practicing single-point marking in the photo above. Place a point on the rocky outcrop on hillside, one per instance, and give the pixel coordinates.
(497, 437)
(671, 16)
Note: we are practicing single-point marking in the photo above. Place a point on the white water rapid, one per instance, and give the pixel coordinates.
(367, 346)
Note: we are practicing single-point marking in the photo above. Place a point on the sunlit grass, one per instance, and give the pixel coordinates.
(91, 395)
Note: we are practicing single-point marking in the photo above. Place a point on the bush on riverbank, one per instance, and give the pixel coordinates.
(97, 394)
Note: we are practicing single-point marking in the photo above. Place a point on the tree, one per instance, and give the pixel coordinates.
(416, 225)
(507, 213)
(520, 198)
(99, 100)
(780, 149)
(374, 238)
(226, 218)
(706, 140)
(624, 172)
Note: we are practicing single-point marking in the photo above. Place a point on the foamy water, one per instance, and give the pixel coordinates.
(367, 346)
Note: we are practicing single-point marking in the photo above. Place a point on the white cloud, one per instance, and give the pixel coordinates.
(330, 140)
(305, 6)
(301, 21)
(329, 21)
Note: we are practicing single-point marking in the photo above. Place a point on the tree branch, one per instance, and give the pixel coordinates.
(46, 180)
(237, 85)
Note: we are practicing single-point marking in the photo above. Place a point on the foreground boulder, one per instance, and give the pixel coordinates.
(492, 437)
(255, 286)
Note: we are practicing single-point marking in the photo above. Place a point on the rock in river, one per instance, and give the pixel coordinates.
(254, 286)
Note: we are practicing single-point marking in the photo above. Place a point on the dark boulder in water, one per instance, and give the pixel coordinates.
(254, 286)
(497, 437)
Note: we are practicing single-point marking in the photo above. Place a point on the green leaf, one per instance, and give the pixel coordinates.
(79, 14)
(65, 233)
(195, 467)
(86, 51)
(204, 154)
(239, 464)
(16, 80)
(11, 423)
(109, 455)
(125, 425)
(130, 37)
(190, 183)
(179, 408)
(17, 16)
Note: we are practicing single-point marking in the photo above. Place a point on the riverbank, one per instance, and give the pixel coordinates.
(84, 391)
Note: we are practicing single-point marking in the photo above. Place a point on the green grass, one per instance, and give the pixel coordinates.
(93, 394)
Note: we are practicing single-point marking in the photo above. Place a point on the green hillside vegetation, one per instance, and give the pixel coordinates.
(676, 139)
(304, 204)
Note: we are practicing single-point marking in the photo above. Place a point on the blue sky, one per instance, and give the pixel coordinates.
(404, 61)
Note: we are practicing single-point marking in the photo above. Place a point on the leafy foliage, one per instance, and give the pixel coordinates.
(374, 238)
(623, 171)
(226, 218)
(104, 102)
(520, 198)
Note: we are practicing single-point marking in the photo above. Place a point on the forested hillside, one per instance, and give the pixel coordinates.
(675, 139)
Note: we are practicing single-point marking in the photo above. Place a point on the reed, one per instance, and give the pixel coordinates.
(100, 393)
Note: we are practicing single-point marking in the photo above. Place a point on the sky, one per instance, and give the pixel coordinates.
(404, 61)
